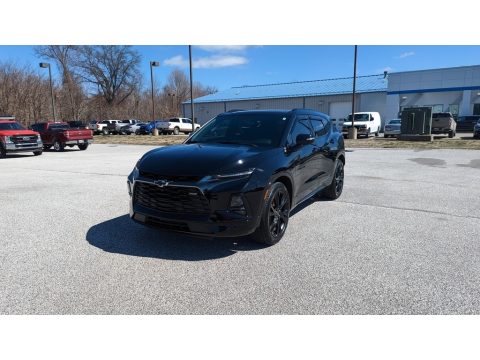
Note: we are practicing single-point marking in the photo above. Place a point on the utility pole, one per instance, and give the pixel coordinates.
(352, 132)
(191, 87)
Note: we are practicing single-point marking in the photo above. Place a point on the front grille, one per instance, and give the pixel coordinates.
(178, 178)
(171, 199)
(27, 139)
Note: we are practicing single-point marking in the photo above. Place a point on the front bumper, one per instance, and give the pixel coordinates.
(26, 147)
(219, 222)
(391, 132)
(360, 130)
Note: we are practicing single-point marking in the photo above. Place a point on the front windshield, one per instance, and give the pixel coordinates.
(257, 129)
(360, 117)
(11, 126)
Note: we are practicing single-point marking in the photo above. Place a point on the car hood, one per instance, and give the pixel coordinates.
(202, 159)
(17, 132)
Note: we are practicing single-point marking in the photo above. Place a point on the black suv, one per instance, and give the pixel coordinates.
(241, 173)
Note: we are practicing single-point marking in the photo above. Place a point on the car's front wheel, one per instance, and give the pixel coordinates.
(275, 216)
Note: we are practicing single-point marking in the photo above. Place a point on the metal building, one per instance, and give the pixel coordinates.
(456, 90)
(331, 96)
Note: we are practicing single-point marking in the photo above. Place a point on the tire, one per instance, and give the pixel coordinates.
(377, 132)
(38, 153)
(137, 132)
(176, 130)
(83, 146)
(386, 136)
(451, 134)
(334, 190)
(58, 146)
(274, 218)
(105, 131)
(3, 152)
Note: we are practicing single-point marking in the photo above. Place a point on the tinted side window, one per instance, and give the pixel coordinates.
(301, 126)
(320, 126)
(174, 120)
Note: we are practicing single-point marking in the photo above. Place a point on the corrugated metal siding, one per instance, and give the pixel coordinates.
(206, 111)
(372, 83)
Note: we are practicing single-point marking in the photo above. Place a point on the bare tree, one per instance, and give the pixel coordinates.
(72, 96)
(113, 71)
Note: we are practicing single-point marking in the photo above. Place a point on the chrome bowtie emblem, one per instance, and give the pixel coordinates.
(161, 183)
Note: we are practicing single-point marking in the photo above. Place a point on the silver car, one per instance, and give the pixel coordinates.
(392, 128)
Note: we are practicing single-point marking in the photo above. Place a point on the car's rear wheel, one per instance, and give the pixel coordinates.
(275, 216)
(176, 131)
(58, 146)
(83, 146)
(105, 131)
(37, 153)
(451, 134)
(334, 190)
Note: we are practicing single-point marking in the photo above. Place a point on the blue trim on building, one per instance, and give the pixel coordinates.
(461, 88)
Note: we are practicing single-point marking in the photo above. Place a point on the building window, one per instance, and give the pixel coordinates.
(453, 108)
(436, 108)
(476, 109)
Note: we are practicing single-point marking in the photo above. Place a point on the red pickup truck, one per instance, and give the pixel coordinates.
(15, 138)
(60, 134)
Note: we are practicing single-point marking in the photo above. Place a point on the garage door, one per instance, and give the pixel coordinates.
(340, 109)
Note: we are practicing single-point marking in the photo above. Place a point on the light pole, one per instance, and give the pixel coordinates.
(352, 132)
(173, 97)
(191, 87)
(152, 64)
(47, 65)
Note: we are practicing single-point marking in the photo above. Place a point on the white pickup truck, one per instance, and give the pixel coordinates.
(176, 126)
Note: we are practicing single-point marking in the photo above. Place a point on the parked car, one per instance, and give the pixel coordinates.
(119, 126)
(444, 123)
(60, 134)
(177, 125)
(132, 129)
(392, 128)
(467, 123)
(242, 173)
(14, 138)
(95, 126)
(366, 123)
(143, 129)
(476, 130)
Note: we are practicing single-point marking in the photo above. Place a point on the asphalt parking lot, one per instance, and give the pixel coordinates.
(402, 239)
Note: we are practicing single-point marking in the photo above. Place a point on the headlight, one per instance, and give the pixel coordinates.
(8, 140)
(234, 175)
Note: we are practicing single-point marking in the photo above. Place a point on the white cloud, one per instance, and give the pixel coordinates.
(176, 61)
(207, 62)
(223, 48)
(405, 54)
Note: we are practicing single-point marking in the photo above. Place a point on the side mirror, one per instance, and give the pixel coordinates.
(372, 118)
(304, 139)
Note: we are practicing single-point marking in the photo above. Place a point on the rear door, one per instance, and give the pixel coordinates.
(322, 161)
(303, 158)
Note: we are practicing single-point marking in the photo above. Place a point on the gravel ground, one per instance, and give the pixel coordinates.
(402, 239)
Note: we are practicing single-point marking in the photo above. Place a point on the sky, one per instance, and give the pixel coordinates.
(235, 65)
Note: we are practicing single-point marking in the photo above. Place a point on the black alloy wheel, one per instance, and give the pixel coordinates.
(275, 216)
